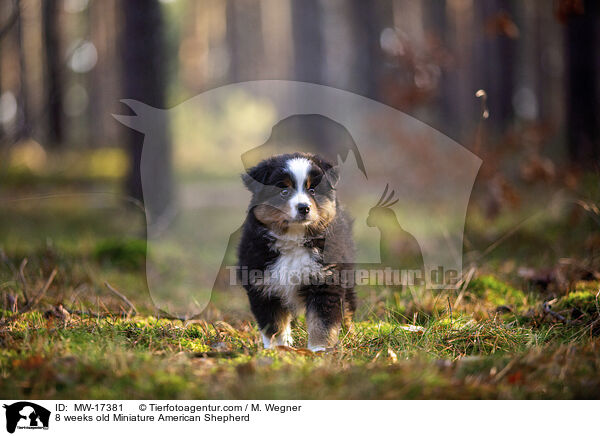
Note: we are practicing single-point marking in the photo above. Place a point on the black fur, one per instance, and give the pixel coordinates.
(331, 302)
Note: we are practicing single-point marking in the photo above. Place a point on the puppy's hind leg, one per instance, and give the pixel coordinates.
(348, 310)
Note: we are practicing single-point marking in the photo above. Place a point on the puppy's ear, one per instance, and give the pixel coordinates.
(332, 173)
(256, 177)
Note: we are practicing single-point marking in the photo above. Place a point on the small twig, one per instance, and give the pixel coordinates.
(7, 261)
(101, 303)
(485, 114)
(40, 294)
(46, 286)
(593, 324)
(465, 284)
(554, 314)
(23, 280)
(33, 302)
(450, 309)
(77, 291)
(12, 303)
(123, 297)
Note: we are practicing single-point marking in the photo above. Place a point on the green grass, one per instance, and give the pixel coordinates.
(44, 357)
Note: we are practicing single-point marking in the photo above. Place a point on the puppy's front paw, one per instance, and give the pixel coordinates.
(285, 340)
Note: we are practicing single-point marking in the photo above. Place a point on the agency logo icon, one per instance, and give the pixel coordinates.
(26, 415)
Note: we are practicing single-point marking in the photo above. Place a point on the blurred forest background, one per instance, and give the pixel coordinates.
(65, 64)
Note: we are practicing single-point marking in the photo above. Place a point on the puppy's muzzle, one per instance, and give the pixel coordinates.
(303, 210)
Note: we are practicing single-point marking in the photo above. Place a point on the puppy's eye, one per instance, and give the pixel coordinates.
(285, 192)
(311, 191)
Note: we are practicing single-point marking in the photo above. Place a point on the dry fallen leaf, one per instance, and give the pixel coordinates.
(303, 351)
(58, 312)
(225, 327)
(285, 348)
(30, 363)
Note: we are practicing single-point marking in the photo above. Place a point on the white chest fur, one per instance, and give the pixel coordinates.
(295, 267)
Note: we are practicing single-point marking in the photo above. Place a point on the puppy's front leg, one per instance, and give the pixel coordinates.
(273, 319)
(323, 319)
(284, 331)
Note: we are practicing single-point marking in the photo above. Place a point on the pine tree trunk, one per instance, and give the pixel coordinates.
(582, 87)
(54, 85)
(308, 41)
(143, 60)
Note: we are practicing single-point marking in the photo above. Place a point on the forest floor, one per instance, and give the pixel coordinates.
(524, 324)
(141, 357)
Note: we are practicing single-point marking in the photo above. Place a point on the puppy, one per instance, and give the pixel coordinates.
(296, 250)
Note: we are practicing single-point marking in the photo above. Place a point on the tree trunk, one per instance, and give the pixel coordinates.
(582, 87)
(447, 95)
(244, 40)
(496, 60)
(368, 58)
(308, 41)
(143, 60)
(54, 88)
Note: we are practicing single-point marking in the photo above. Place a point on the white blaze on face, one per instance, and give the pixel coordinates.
(299, 168)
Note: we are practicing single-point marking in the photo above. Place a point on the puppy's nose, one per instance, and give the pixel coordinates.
(303, 208)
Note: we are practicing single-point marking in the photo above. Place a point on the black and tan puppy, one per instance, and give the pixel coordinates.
(296, 250)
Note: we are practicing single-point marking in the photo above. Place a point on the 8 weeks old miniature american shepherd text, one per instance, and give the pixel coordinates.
(297, 250)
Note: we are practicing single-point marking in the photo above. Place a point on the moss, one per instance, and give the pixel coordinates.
(141, 358)
(592, 286)
(196, 346)
(497, 292)
(128, 253)
(584, 301)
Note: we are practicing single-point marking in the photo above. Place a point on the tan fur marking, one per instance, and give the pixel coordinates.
(320, 336)
(326, 214)
(283, 336)
(347, 322)
(271, 216)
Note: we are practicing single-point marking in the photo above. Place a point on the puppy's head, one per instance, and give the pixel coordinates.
(292, 192)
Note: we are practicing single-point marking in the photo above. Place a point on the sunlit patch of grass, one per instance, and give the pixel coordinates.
(586, 301)
(583, 301)
(146, 357)
(497, 292)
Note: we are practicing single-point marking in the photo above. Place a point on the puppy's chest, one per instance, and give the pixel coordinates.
(295, 267)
